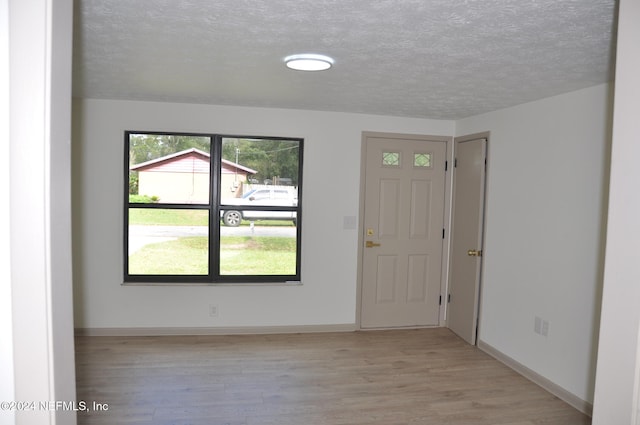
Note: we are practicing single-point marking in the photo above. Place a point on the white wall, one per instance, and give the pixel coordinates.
(40, 207)
(6, 325)
(57, 187)
(547, 174)
(616, 393)
(331, 192)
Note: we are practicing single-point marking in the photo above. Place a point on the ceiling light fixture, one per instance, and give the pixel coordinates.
(308, 62)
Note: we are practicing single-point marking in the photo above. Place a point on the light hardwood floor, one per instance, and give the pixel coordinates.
(425, 376)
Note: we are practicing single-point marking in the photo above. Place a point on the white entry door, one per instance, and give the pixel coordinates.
(403, 231)
(467, 232)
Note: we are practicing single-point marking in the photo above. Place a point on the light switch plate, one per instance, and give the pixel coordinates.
(349, 222)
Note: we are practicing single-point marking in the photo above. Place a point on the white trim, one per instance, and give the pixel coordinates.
(233, 330)
(7, 374)
(564, 395)
(635, 410)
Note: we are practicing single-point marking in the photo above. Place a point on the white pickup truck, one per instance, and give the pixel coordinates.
(275, 197)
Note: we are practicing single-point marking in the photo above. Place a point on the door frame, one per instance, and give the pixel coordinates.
(466, 138)
(444, 276)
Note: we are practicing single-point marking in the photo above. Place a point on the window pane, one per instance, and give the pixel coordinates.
(169, 169)
(170, 195)
(391, 159)
(168, 241)
(256, 172)
(258, 250)
(422, 160)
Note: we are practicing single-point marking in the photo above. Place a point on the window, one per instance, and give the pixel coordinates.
(206, 208)
(391, 159)
(422, 160)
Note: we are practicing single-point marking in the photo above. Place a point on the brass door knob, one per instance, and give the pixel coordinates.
(371, 244)
(474, 253)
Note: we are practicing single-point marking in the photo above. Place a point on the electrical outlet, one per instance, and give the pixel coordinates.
(213, 310)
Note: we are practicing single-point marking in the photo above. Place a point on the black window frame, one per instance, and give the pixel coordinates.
(214, 207)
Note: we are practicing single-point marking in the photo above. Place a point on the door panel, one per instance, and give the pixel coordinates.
(418, 272)
(467, 232)
(389, 199)
(403, 221)
(420, 213)
(386, 279)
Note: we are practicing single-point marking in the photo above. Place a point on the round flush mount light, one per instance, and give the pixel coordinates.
(308, 62)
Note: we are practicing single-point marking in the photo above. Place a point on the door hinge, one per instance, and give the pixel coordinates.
(440, 300)
(442, 233)
(455, 163)
(449, 298)
(446, 165)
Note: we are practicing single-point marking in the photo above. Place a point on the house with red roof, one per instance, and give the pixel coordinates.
(184, 177)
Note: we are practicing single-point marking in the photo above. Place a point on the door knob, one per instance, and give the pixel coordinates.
(474, 253)
(371, 244)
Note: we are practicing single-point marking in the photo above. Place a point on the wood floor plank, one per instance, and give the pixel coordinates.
(420, 376)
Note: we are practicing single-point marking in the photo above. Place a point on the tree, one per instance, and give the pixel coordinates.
(270, 158)
(145, 147)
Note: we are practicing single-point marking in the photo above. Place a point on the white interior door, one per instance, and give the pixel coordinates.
(403, 227)
(467, 232)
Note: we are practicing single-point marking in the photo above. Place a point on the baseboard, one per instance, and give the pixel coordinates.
(233, 330)
(564, 395)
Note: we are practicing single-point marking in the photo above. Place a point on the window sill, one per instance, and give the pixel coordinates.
(288, 283)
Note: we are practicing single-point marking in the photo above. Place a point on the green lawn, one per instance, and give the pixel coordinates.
(171, 217)
(240, 255)
(180, 256)
(167, 217)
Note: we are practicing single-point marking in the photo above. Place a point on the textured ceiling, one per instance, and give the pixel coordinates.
(445, 59)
